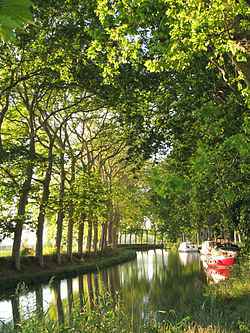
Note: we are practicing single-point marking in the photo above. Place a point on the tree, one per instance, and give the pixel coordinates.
(13, 14)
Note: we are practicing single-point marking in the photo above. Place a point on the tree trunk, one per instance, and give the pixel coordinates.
(43, 206)
(21, 216)
(60, 215)
(89, 240)
(70, 232)
(103, 241)
(71, 212)
(155, 238)
(2, 115)
(116, 218)
(110, 223)
(95, 239)
(23, 200)
(110, 233)
(81, 235)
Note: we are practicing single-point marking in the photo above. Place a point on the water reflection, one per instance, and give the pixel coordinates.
(215, 273)
(156, 280)
(188, 257)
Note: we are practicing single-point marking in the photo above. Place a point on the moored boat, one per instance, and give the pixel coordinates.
(217, 260)
(188, 247)
(222, 247)
(206, 247)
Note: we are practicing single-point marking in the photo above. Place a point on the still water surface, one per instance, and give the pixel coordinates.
(156, 282)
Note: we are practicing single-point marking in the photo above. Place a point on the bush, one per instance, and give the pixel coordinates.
(27, 251)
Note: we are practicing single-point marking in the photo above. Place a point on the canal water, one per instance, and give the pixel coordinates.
(157, 282)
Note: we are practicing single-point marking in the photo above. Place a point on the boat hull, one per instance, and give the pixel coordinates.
(221, 261)
(188, 247)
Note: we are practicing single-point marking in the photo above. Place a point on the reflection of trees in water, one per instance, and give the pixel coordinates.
(80, 291)
(70, 297)
(15, 310)
(173, 286)
(104, 278)
(56, 287)
(97, 289)
(147, 284)
(90, 290)
(111, 282)
(39, 300)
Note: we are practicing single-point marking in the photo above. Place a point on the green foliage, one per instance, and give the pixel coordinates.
(13, 14)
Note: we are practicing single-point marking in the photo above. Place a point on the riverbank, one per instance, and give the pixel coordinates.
(31, 273)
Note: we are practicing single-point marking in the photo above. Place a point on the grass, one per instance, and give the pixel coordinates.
(5, 253)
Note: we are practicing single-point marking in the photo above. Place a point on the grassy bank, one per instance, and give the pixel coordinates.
(32, 273)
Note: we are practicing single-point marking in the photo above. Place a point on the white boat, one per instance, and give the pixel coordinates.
(206, 247)
(214, 248)
(188, 247)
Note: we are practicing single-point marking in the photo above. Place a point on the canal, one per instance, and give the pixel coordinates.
(157, 283)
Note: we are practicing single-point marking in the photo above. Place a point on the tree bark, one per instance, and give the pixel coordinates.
(70, 232)
(89, 240)
(95, 239)
(116, 218)
(110, 233)
(110, 223)
(71, 212)
(60, 215)
(81, 235)
(103, 241)
(142, 236)
(43, 206)
(21, 216)
(2, 115)
(24, 194)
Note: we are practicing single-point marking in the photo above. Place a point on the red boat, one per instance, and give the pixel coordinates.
(220, 261)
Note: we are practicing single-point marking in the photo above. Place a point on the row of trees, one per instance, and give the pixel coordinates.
(200, 54)
(63, 142)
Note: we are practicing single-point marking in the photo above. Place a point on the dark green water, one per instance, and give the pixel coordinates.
(157, 282)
